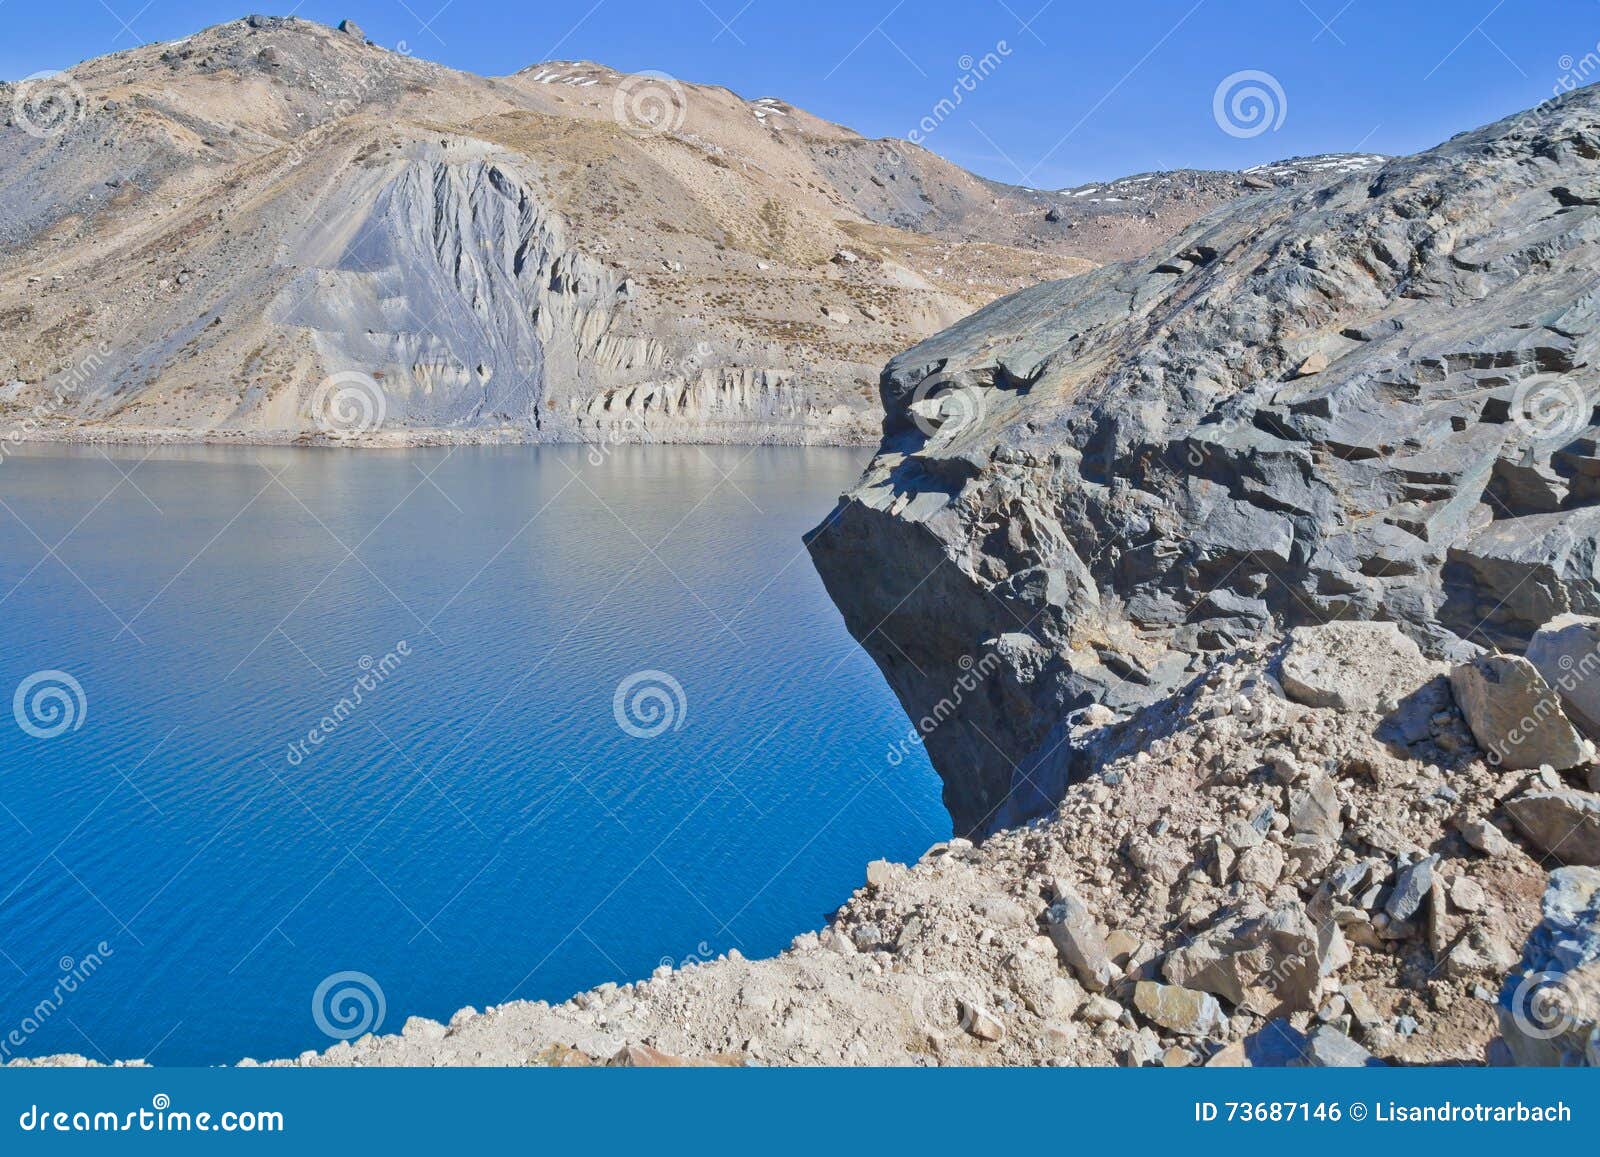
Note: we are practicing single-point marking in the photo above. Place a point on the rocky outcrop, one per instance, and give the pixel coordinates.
(1370, 399)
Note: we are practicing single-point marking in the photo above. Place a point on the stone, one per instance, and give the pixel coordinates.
(1261, 865)
(1563, 824)
(1361, 1007)
(1328, 1048)
(1550, 1004)
(1514, 715)
(1411, 887)
(979, 1022)
(1182, 1010)
(1270, 965)
(1353, 666)
(1079, 940)
(1100, 1010)
(1314, 810)
(1566, 652)
(351, 28)
(1485, 837)
(881, 873)
(1313, 364)
(1466, 895)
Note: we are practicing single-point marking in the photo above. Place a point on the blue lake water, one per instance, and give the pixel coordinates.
(336, 711)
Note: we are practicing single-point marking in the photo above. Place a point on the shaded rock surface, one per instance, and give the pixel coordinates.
(1132, 468)
(1550, 1006)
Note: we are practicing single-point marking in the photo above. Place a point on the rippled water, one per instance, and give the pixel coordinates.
(356, 712)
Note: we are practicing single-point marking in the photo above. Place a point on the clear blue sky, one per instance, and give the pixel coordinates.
(1088, 90)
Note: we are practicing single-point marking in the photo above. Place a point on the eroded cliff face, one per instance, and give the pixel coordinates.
(1371, 399)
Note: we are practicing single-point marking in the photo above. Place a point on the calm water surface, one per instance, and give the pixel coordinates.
(236, 819)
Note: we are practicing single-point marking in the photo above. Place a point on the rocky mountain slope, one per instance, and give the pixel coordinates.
(274, 230)
(1188, 543)
(1368, 399)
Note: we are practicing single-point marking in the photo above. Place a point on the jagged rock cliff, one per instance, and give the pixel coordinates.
(1370, 399)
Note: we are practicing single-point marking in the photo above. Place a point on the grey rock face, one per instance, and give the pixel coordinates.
(1514, 714)
(1135, 465)
(1550, 1006)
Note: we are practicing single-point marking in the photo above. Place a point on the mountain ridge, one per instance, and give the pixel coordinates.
(567, 253)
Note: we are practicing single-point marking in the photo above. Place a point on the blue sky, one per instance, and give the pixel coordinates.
(1082, 91)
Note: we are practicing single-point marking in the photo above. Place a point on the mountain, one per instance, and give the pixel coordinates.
(274, 230)
(1369, 399)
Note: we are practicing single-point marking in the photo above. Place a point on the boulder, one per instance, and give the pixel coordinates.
(1563, 824)
(1182, 1010)
(1550, 1005)
(351, 28)
(1328, 1048)
(1079, 940)
(1353, 666)
(1566, 652)
(1514, 715)
(1270, 965)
